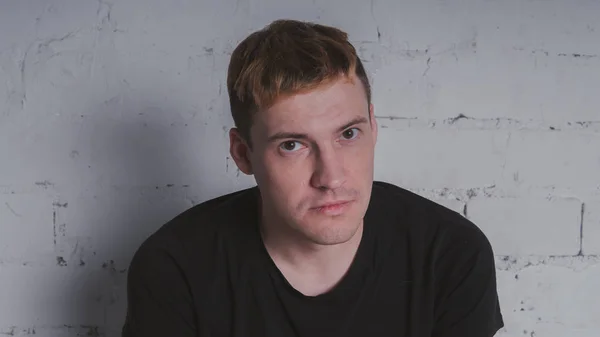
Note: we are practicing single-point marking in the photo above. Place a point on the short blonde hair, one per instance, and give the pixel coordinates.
(284, 58)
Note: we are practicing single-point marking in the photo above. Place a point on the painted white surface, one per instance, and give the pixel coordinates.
(113, 119)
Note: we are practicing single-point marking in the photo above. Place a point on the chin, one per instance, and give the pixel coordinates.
(330, 236)
(326, 230)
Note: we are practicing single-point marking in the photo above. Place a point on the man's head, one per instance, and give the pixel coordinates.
(300, 100)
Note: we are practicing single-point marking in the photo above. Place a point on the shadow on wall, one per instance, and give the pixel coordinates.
(133, 174)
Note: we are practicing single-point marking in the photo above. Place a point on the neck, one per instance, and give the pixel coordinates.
(309, 267)
(305, 254)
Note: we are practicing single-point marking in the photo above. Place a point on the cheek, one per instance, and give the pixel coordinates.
(286, 168)
(286, 176)
(281, 180)
(359, 160)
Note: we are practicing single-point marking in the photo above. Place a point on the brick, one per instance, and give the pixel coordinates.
(55, 331)
(26, 226)
(37, 150)
(553, 159)
(445, 198)
(550, 301)
(110, 223)
(359, 27)
(481, 65)
(116, 310)
(144, 149)
(528, 226)
(53, 295)
(527, 87)
(54, 20)
(591, 226)
(439, 158)
(454, 205)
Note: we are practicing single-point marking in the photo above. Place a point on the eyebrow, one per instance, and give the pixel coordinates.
(295, 135)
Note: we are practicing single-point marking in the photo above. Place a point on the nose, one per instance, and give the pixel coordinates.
(329, 173)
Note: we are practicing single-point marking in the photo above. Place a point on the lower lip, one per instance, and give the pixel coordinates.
(336, 209)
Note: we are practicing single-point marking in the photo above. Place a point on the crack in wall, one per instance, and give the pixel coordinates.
(464, 122)
(519, 263)
(12, 210)
(581, 230)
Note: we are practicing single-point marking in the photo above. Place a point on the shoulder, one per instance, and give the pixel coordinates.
(211, 215)
(196, 231)
(434, 226)
(175, 266)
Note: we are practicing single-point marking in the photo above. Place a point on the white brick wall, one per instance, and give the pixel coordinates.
(113, 119)
(550, 297)
(529, 226)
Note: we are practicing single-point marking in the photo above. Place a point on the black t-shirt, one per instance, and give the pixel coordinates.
(420, 270)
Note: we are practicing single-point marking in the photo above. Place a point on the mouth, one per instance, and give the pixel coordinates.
(333, 208)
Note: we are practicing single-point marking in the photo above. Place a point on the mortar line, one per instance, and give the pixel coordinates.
(54, 225)
(581, 230)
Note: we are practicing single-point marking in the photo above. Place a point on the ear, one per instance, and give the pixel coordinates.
(240, 151)
(373, 122)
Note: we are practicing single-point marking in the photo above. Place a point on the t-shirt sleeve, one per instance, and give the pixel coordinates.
(466, 303)
(159, 302)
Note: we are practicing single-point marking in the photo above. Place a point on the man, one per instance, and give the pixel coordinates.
(317, 248)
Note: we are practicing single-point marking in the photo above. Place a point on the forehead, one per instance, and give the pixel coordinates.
(322, 107)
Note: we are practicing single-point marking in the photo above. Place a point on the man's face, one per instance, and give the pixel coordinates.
(312, 158)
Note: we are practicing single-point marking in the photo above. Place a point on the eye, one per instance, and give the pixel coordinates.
(290, 146)
(350, 134)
